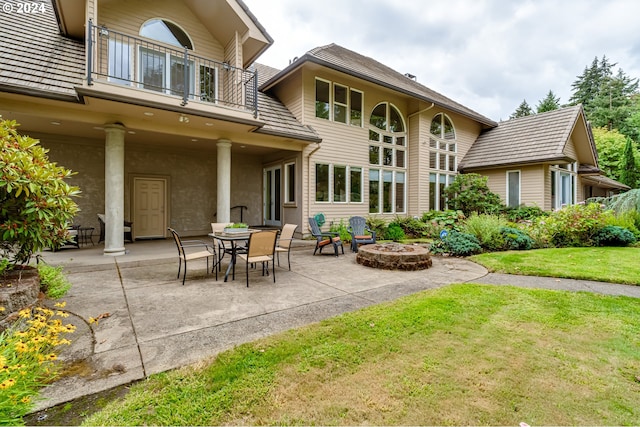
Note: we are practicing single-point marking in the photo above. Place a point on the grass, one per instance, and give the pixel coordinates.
(606, 264)
(461, 355)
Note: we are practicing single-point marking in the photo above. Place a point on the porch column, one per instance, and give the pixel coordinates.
(223, 194)
(114, 190)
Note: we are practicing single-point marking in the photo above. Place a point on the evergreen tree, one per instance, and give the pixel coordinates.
(549, 103)
(628, 166)
(523, 110)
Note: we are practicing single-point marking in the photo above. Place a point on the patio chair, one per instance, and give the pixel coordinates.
(284, 242)
(208, 251)
(358, 229)
(127, 229)
(261, 248)
(324, 238)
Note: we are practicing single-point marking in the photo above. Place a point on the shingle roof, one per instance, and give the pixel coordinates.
(530, 139)
(38, 61)
(352, 63)
(36, 58)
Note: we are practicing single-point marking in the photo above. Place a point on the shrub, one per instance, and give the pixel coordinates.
(515, 239)
(457, 244)
(486, 228)
(36, 205)
(613, 235)
(394, 232)
(574, 225)
(469, 192)
(341, 228)
(52, 281)
(379, 225)
(412, 227)
(524, 213)
(443, 219)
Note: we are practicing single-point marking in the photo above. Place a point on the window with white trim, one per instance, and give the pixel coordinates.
(513, 189)
(338, 183)
(290, 182)
(443, 160)
(563, 185)
(387, 153)
(338, 103)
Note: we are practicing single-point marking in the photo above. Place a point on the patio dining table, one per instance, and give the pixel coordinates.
(234, 239)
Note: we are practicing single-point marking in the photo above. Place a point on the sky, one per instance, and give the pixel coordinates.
(488, 55)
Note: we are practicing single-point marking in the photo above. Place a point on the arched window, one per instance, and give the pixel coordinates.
(164, 70)
(443, 160)
(166, 32)
(388, 160)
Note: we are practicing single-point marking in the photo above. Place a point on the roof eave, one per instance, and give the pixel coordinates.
(310, 58)
(548, 160)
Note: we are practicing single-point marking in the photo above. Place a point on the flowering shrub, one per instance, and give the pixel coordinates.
(27, 355)
(574, 225)
(36, 205)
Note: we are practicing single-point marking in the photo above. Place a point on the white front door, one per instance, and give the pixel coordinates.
(272, 179)
(149, 200)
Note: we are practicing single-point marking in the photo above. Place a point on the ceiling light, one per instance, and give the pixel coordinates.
(55, 123)
(209, 124)
(194, 140)
(183, 119)
(131, 132)
(98, 128)
(148, 113)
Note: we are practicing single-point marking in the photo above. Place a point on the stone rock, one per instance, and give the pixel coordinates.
(394, 256)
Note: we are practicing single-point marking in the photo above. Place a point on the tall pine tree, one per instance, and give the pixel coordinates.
(523, 110)
(628, 167)
(549, 103)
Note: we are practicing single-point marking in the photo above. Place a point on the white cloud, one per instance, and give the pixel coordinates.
(488, 55)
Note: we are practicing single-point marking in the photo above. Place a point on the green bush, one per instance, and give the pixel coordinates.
(342, 228)
(515, 239)
(486, 228)
(53, 282)
(571, 226)
(469, 193)
(524, 213)
(443, 219)
(629, 220)
(457, 244)
(612, 235)
(377, 224)
(36, 205)
(394, 232)
(413, 227)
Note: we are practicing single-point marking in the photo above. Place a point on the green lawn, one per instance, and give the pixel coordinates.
(461, 355)
(606, 264)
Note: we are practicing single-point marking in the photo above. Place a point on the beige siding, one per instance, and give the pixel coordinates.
(570, 149)
(532, 184)
(128, 17)
(290, 94)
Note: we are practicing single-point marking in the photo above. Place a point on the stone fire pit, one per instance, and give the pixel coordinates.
(394, 256)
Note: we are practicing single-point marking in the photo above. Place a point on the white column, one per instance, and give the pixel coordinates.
(223, 193)
(114, 190)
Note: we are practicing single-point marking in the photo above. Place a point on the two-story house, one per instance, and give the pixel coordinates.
(162, 110)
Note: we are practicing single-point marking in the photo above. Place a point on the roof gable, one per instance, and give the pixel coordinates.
(538, 138)
(349, 62)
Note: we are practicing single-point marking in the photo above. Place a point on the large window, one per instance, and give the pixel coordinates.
(387, 154)
(340, 104)
(443, 160)
(338, 183)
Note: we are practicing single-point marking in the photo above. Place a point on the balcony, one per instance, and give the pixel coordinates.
(130, 61)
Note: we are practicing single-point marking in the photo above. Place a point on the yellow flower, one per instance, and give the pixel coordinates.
(69, 328)
(25, 313)
(92, 320)
(3, 360)
(21, 347)
(25, 399)
(62, 313)
(52, 356)
(61, 304)
(7, 383)
(2, 309)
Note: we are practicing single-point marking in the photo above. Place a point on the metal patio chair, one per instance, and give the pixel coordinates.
(261, 248)
(284, 242)
(208, 251)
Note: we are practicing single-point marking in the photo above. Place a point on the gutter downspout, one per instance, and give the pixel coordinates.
(309, 179)
(433, 104)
